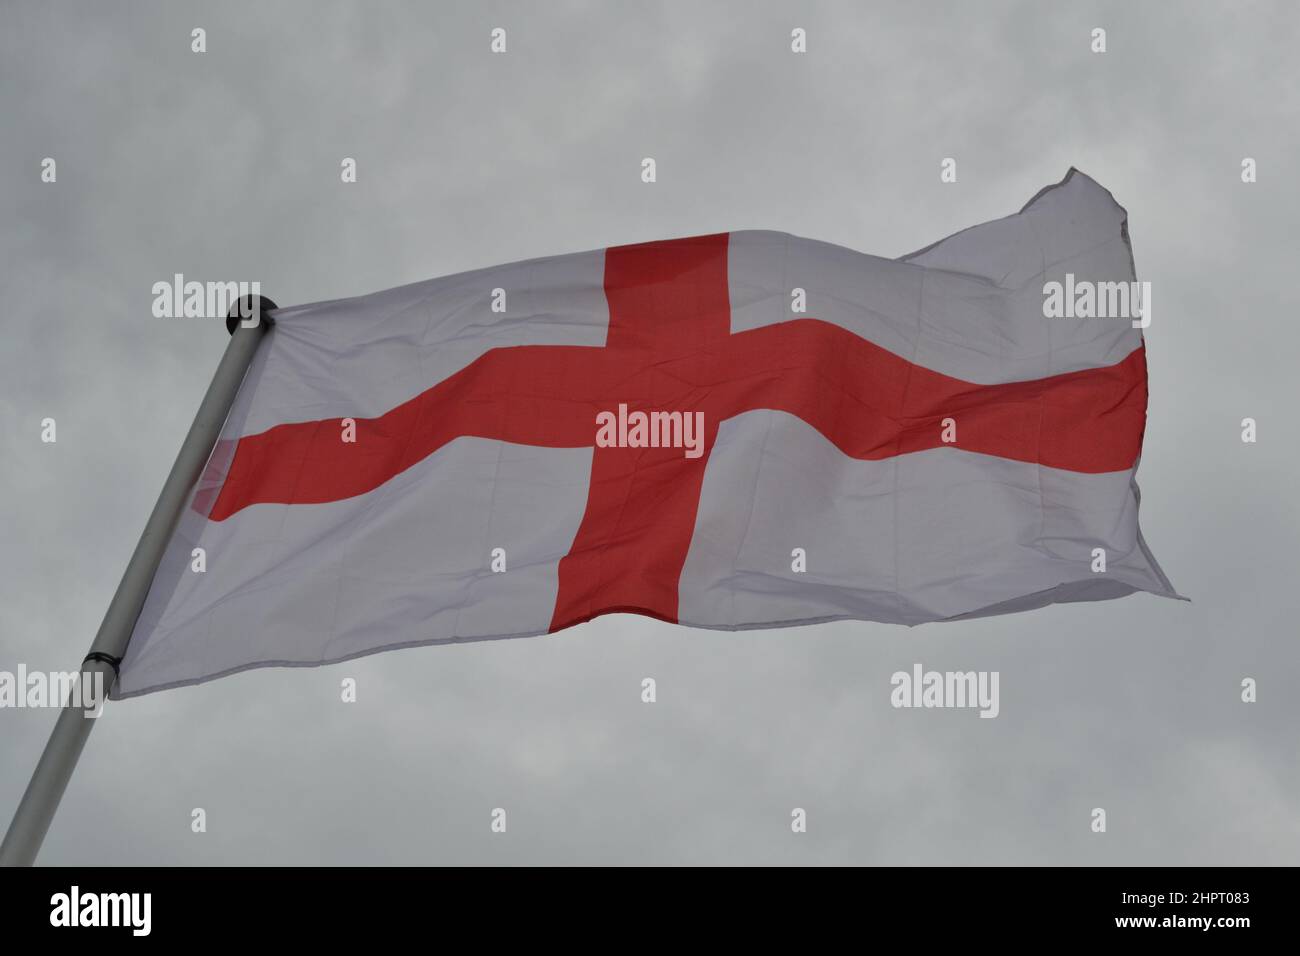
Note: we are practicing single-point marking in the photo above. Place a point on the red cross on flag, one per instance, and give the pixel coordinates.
(730, 431)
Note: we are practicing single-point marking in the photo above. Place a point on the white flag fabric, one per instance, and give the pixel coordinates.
(731, 431)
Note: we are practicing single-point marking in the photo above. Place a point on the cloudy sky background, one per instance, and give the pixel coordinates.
(226, 166)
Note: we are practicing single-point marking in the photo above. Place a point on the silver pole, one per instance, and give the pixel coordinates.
(247, 322)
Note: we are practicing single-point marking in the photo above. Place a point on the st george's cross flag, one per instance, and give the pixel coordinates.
(728, 431)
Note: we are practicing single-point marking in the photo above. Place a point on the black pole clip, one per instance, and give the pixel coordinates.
(247, 307)
(109, 659)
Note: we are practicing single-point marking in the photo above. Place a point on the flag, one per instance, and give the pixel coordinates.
(729, 431)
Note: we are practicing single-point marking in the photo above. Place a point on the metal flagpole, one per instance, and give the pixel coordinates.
(247, 322)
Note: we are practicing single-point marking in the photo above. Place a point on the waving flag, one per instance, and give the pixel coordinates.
(728, 431)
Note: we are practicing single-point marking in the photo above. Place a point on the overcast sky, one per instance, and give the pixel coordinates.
(225, 165)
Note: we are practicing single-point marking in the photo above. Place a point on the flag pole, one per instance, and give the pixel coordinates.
(246, 323)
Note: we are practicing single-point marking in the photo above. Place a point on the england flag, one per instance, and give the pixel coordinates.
(730, 431)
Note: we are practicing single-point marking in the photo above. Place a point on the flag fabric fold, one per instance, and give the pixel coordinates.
(731, 431)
